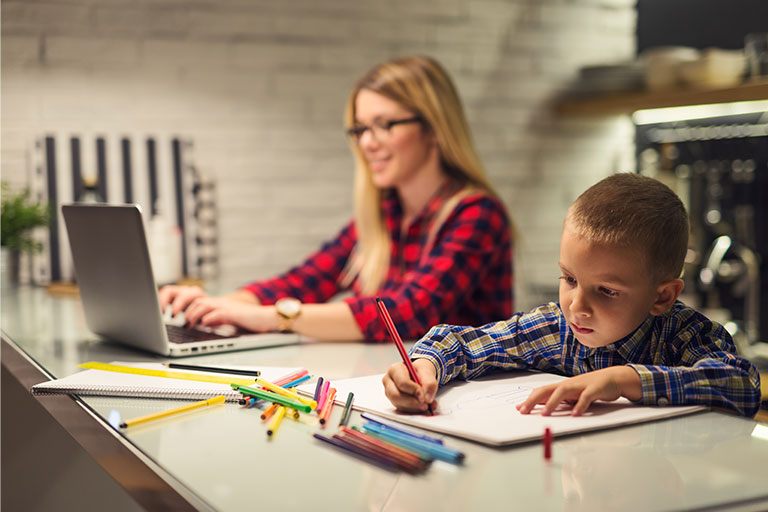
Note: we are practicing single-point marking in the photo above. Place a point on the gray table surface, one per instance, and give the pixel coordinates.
(222, 456)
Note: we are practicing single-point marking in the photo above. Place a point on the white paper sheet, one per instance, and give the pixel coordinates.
(484, 410)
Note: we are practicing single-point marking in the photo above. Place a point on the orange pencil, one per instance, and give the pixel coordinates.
(268, 411)
(326, 412)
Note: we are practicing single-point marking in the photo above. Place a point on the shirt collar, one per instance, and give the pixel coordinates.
(631, 346)
(393, 210)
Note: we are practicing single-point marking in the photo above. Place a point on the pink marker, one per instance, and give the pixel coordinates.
(323, 395)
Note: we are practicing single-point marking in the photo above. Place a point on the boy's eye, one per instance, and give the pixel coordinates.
(608, 291)
(568, 279)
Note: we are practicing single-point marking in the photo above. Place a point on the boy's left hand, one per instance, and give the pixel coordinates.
(607, 384)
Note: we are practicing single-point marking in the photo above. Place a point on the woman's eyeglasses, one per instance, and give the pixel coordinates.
(381, 130)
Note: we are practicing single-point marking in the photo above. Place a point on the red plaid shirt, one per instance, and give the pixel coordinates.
(465, 279)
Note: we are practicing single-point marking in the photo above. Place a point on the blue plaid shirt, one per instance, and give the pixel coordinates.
(682, 357)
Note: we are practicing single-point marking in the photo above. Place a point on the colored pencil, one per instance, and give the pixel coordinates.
(317, 388)
(285, 392)
(323, 394)
(422, 454)
(231, 371)
(409, 459)
(347, 409)
(268, 412)
(296, 382)
(435, 450)
(290, 377)
(361, 453)
(175, 410)
(387, 320)
(277, 419)
(326, 412)
(271, 397)
(547, 441)
(398, 428)
(375, 450)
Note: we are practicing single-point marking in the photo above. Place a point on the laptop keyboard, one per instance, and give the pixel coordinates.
(177, 334)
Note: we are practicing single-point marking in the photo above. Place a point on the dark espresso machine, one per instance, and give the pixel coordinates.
(719, 166)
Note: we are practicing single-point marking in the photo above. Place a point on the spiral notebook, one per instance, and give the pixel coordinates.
(107, 383)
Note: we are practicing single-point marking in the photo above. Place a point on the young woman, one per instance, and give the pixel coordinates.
(429, 235)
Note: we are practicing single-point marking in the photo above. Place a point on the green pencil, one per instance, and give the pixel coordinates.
(271, 397)
(347, 409)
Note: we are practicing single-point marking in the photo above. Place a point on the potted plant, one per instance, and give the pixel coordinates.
(19, 216)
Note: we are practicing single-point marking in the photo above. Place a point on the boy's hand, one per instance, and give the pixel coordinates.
(607, 384)
(405, 394)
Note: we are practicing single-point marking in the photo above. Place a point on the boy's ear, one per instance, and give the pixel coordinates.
(667, 294)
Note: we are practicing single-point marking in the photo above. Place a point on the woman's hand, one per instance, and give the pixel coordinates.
(179, 297)
(405, 394)
(607, 384)
(212, 311)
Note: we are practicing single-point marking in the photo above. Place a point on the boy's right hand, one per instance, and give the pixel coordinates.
(404, 393)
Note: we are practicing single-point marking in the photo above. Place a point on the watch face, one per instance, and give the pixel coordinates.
(288, 306)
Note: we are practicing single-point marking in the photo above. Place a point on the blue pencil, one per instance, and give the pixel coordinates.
(436, 450)
(296, 382)
(400, 430)
(317, 388)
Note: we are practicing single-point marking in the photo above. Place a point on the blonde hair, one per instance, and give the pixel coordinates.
(421, 85)
(630, 210)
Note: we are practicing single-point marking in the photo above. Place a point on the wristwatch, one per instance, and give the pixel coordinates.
(288, 308)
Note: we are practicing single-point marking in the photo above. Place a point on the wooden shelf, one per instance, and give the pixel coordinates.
(628, 102)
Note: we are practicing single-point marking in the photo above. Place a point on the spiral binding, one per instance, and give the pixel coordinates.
(136, 392)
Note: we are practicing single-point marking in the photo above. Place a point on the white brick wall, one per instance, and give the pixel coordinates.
(260, 86)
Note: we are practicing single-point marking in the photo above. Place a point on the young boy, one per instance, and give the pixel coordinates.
(618, 329)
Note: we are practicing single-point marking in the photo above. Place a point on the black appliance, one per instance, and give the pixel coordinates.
(721, 163)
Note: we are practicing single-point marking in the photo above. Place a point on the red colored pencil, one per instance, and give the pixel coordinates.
(290, 378)
(547, 441)
(387, 321)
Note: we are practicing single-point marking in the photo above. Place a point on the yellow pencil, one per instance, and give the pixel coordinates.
(286, 392)
(276, 420)
(175, 410)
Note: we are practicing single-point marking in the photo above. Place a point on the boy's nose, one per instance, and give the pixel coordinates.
(579, 304)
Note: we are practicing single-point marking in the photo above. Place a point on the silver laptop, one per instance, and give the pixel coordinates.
(118, 290)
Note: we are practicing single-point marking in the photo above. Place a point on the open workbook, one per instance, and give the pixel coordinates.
(108, 383)
(484, 410)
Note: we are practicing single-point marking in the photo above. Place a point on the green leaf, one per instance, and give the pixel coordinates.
(19, 216)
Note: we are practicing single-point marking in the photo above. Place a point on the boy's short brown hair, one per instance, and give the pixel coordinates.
(631, 210)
